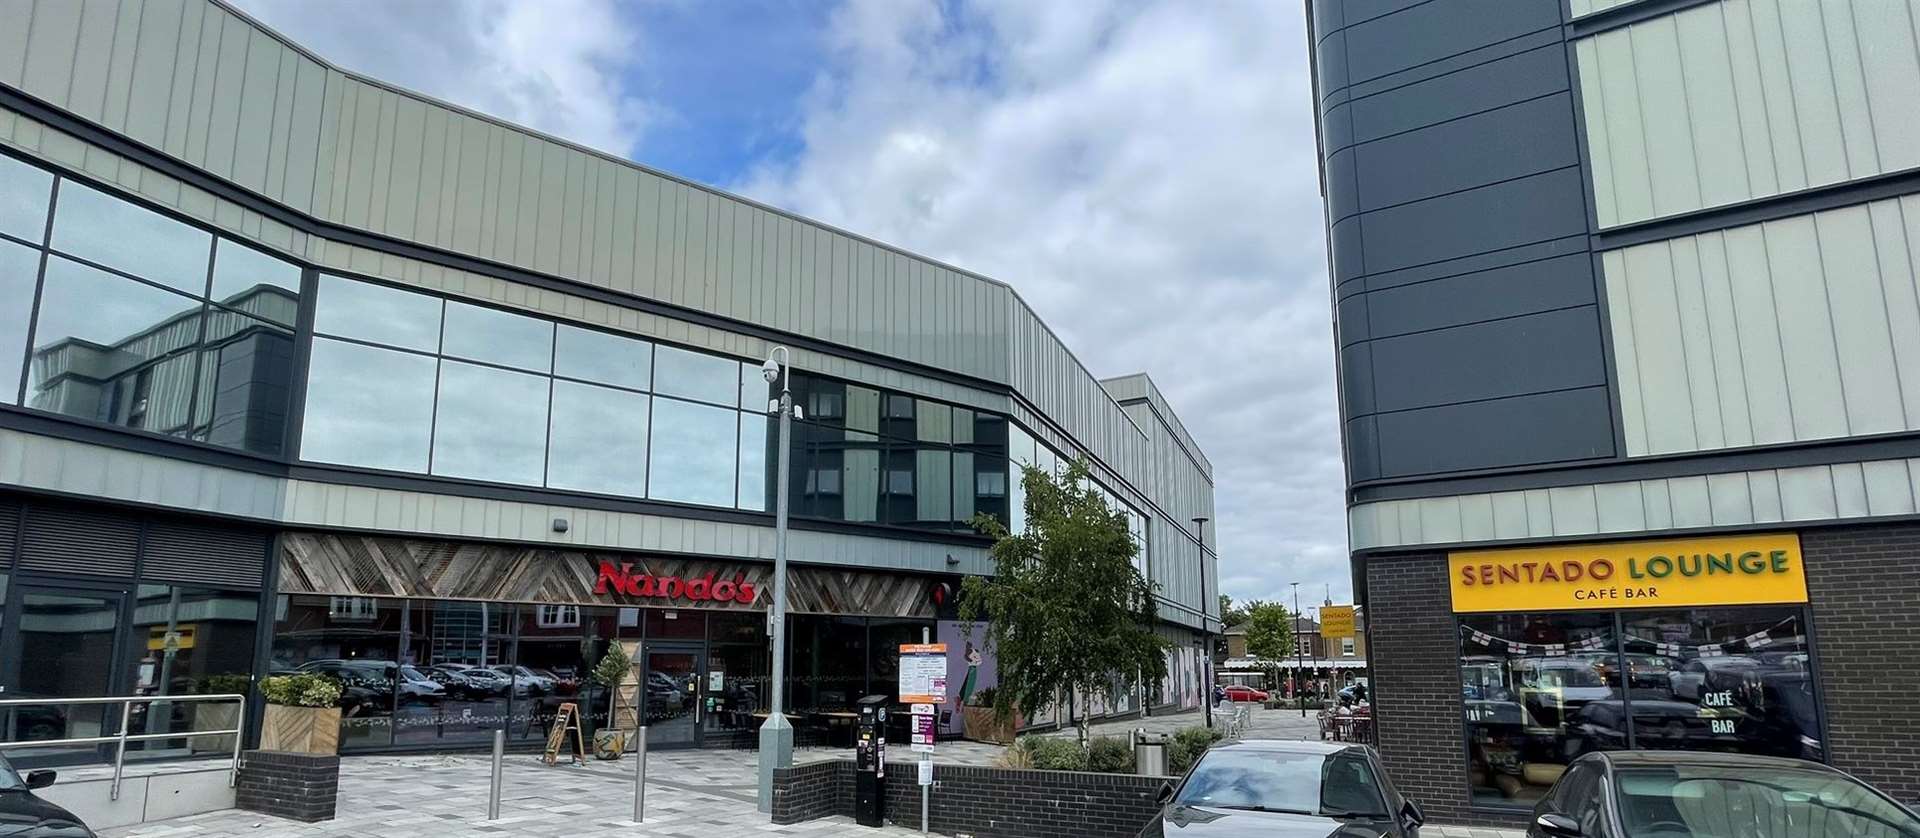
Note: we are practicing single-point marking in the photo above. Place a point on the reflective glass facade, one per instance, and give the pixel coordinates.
(134, 319)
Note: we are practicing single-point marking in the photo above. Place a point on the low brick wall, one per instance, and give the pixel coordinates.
(302, 787)
(981, 801)
(814, 790)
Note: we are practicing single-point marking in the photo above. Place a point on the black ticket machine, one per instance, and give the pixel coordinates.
(870, 763)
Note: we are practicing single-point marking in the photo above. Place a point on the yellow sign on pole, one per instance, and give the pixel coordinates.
(1336, 621)
(157, 639)
(1723, 570)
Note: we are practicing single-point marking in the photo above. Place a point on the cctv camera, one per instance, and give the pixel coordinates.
(770, 371)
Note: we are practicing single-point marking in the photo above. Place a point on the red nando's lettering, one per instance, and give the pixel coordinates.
(621, 579)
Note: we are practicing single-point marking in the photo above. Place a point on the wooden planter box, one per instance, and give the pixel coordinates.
(300, 730)
(212, 716)
(981, 726)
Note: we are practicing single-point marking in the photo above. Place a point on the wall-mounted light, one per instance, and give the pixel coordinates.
(560, 525)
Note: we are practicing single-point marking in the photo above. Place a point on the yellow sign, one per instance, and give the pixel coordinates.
(1336, 621)
(157, 639)
(1726, 570)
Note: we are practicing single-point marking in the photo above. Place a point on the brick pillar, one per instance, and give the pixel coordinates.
(1864, 583)
(302, 787)
(1413, 648)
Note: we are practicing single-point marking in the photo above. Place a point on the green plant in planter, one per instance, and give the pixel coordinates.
(1110, 755)
(1053, 753)
(983, 698)
(1186, 746)
(302, 690)
(228, 684)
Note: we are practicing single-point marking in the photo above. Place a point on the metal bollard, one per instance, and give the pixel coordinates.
(640, 775)
(499, 754)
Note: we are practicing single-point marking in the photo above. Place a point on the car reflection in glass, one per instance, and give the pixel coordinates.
(1287, 789)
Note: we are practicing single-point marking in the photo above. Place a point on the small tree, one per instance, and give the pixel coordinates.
(1067, 611)
(1269, 636)
(609, 672)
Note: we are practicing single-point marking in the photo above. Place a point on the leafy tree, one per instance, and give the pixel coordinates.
(1067, 611)
(1269, 636)
(1230, 614)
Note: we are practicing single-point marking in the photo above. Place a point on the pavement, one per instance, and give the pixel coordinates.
(689, 794)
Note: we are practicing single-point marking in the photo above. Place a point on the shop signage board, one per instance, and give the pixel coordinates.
(1336, 621)
(923, 673)
(1722, 570)
(922, 731)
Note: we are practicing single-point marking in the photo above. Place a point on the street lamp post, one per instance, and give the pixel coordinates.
(776, 735)
(1299, 651)
(1206, 690)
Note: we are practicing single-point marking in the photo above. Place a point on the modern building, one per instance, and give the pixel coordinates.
(311, 373)
(1629, 353)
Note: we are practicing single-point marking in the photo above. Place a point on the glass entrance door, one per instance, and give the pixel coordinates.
(674, 695)
(61, 643)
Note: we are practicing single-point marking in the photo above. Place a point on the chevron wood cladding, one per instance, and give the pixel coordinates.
(358, 565)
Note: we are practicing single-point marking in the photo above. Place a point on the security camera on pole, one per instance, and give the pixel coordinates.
(776, 735)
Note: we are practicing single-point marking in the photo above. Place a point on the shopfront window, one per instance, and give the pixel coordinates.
(191, 641)
(356, 641)
(1540, 690)
(1723, 679)
(829, 662)
(455, 691)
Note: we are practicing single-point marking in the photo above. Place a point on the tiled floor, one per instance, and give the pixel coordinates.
(689, 793)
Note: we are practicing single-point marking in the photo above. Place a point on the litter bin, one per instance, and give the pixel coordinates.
(1149, 754)
(870, 763)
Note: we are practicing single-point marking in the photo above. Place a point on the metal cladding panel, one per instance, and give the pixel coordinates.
(195, 554)
(1798, 329)
(9, 531)
(58, 539)
(1732, 101)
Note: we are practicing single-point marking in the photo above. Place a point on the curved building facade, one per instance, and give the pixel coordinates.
(305, 372)
(1625, 303)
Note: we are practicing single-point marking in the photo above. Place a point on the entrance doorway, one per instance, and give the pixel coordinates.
(674, 694)
(60, 642)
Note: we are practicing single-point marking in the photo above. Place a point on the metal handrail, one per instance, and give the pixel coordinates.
(126, 717)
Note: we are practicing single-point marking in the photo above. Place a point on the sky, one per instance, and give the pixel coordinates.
(1141, 171)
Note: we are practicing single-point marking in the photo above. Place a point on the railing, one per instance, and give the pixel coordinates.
(126, 716)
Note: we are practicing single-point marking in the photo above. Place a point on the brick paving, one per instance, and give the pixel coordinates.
(689, 793)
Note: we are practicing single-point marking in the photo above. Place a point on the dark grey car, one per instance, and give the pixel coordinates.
(1284, 789)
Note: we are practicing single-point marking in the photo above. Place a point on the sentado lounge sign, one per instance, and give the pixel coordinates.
(1728, 570)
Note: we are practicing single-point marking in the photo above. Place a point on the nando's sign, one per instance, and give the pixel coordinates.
(620, 578)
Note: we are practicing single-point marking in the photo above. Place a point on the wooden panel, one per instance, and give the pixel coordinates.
(329, 563)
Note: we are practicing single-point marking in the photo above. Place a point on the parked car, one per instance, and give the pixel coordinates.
(526, 681)
(1242, 692)
(1684, 794)
(24, 815)
(459, 683)
(1704, 675)
(492, 681)
(1277, 788)
(417, 687)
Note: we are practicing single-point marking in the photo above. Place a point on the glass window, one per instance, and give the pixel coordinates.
(113, 350)
(354, 640)
(696, 375)
(829, 659)
(755, 391)
(1299, 783)
(675, 624)
(883, 662)
(101, 228)
(607, 358)
(1722, 679)
(598, 440)
(1539, 689)
(246, 383)
(497, 337)
(754, 476)
(1753, 800)
(368, 407)
(256, 283)
(454, 646)
(24, 191)
(692, 456)
(378, 314)
(212, 654)
(19, 272)
(490, 424)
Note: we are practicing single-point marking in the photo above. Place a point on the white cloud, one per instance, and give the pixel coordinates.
(1143, 173)
(557, 66)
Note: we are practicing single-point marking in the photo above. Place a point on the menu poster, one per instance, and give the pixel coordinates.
(923, 673)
